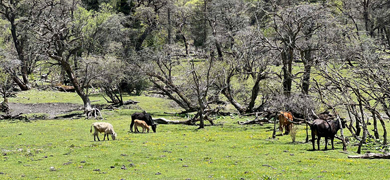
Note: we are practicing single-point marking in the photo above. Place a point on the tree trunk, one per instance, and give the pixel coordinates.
(274, 131)
(366, 16)
(357, 121)
(114, 99)
(376, 134)
(255, 93)
(306, 116)
(387, 35)
(169, 26)
(18, 43)
(363, 124)
(219, 49)
(205, 22)
(307, 61)
(228, 94)
(182, 100)
(384, 130)
(378, 115)
(17, 80)
(141, 39)
(341, 131)
(23, 86)
(201, 124)
(287, 58)
(66, 66)
(186, 45)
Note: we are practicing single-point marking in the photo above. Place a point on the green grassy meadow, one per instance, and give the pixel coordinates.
(64, 149)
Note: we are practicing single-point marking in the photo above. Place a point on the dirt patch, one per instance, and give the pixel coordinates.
(52, 109)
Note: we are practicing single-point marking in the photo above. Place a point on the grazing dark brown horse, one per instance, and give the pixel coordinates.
(324, 128)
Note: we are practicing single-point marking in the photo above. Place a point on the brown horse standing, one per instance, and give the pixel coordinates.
(285, 121)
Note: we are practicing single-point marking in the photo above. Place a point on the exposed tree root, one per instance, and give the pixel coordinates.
(93, 112)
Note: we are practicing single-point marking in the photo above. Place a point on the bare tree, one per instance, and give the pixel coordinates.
(16, 13)
(248, 62)
(361, 89)
(202, 78)
(61, 38)
(148, 12)
(225, 19)
(299, 33)
(106, 73)
(60, 41)
(6, 82)
(181, 22)
(368, 14)
(159, 67)
(190, 89)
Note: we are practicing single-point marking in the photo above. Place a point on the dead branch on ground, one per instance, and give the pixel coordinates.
(371, 156)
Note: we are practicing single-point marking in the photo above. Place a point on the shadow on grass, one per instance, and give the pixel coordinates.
(75, 115)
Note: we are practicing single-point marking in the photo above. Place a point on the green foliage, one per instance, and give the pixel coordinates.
(5, 83)
(4, 33)
(193, 2)
(124, 7)
(91, 23)
(156, 40)
(269, 32)
(4, 78)
(121, 6)
(198, 26)
(375, 144)
(91, 4)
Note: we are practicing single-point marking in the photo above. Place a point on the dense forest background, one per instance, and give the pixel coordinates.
(287, 55)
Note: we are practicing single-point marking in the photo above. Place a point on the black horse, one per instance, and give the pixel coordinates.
(145, 117)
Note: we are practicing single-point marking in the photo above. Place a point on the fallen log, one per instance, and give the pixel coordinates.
(185, 122)
(256, 121)
(65, 88)
(166, 121)
(371, 156)
(261, 117)
(130, 102)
